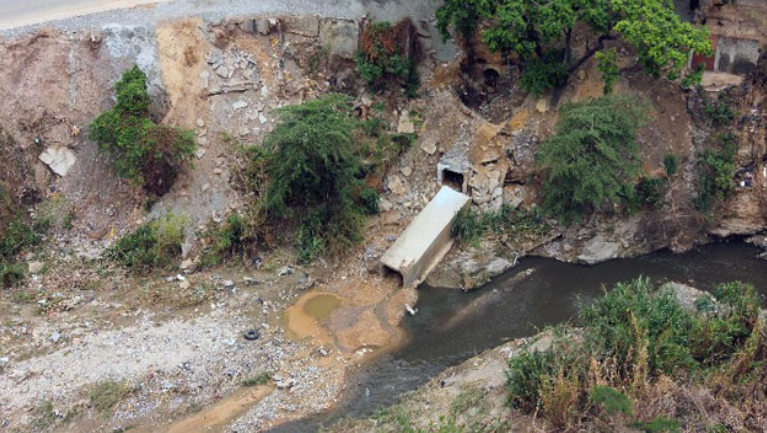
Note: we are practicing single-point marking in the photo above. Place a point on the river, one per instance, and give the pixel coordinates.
(451, 326)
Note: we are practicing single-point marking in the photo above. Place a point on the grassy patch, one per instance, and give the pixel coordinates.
(518, 225)
(106, 395)
(633, 336)
(156, 244)
(261, 379)
(385, 57)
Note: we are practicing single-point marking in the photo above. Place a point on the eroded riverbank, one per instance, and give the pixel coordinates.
(452, 326)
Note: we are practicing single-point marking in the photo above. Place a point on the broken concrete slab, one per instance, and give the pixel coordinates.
(59, 159)
(341, 36)
(426, 240)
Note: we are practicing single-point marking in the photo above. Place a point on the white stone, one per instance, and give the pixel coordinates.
(59, 159)
(35, 267)
(240, 104)
(200, 153)
(262, 118)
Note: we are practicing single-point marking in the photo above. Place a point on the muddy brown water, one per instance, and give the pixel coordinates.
(452, 326)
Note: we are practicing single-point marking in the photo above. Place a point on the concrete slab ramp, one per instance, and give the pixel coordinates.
(426, 240)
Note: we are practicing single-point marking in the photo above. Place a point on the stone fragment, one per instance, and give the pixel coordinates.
(35, 267)
(395, 185)
(59, 159)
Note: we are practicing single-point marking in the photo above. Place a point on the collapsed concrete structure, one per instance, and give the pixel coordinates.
(426, 240)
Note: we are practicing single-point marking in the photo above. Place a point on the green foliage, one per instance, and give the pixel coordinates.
(156, 244)
(229, 240)
(635, 334)
(648, 193)
(607, 64)
(261, 379)
(721, 111)
(469, 226)
(144, 152)
(658, 425)
(44, 417)
(17, 237)
(369, 198)
(593, 156)
(529, 27)
(671, 164)
(313, 167)
(105, 395)
(545, 74)
(611, 400)
(694, 78)
(384, 60)
(716, 170)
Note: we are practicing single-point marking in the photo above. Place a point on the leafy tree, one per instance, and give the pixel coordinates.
(530, 27)
(143, 151)
(313, 170)
(593, 156)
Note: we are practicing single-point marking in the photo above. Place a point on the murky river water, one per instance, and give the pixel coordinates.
(452, 326)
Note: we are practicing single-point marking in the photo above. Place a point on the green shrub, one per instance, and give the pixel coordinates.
(648, 193)
(144, 152)
(369, 198)
(518, 224)
(17, 237)
(261, 379)
(658, 425)
(231, 239)
(468, 226)
(716, 170)
(671, 164)
(634, 335)
(593, 156)
(383, 59)
(105, 395)
(607, 64)
(612, 400)
(544, 74)
(156, 244)
(721, 111)
(313, 168)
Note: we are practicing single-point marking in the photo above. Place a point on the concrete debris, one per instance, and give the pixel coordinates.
(426, 240)
(58, 159)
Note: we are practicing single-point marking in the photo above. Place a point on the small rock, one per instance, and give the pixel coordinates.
(205, 187)
(251, 335)
(262, 118)
(55, 337)
(200, 153)
(240, 104)
(200, 123)
(542, 105)
(187, 264)
(385, 205)
(286, 384)
(36, 267)
(223, 71)
(287, 270)
(184, 285)
(395, 185)
(228, 284)
(59, 159)
(407, 171)
(322, 351)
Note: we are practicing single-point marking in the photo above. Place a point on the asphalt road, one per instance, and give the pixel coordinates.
(16, 13)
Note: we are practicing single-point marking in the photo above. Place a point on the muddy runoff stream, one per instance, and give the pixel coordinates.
(451, 326)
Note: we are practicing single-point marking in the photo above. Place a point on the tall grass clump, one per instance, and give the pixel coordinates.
(156, 244)
(632, 338)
